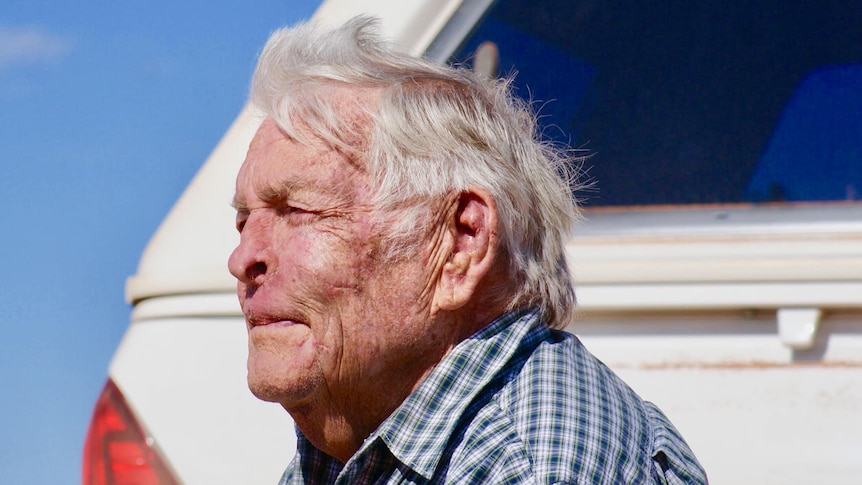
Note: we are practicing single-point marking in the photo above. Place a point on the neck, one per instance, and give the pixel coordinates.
(339, 422)
(339, 425)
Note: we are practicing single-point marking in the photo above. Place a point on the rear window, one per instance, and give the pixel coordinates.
(685, 102)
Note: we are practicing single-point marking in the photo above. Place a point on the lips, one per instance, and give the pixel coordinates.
(259, 319)
(264, 323)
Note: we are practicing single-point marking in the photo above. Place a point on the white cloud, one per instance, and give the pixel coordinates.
(30, 45)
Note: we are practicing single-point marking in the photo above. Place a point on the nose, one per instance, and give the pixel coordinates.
(252, 260)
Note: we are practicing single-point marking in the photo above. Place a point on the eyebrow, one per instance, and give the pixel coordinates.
(279, 191)
(274, 192)
(238, 204)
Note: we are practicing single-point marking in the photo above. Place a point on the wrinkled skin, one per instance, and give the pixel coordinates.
(337, 335)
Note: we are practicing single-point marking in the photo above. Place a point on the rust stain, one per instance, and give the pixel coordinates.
(757, 365)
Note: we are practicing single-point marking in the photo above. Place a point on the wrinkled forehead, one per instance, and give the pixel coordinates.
(303, 148)
(278, 165)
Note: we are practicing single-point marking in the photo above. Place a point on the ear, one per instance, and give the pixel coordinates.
(472, 227)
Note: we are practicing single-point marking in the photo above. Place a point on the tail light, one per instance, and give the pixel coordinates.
(117, 450)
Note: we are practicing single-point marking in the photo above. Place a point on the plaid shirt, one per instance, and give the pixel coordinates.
(515, 403)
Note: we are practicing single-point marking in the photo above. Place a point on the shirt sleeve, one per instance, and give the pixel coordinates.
(673, 461)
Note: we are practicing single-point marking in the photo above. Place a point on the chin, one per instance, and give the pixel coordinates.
(263, 389)
(273, 380)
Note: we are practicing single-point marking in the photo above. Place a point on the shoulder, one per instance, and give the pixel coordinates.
(580, 422)
(561, 416)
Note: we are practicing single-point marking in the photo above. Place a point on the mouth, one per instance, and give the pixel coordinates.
(254, 320)
(272, 323)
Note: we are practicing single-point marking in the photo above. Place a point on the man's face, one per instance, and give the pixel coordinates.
(325, 313)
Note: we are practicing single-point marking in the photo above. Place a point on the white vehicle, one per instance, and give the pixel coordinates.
(719, 270)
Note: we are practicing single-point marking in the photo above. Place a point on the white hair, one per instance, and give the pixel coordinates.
(434, 130)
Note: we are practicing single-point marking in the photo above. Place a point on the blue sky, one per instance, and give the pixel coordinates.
(107, 109)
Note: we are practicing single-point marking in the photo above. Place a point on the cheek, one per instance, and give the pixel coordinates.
(300, 253)
(336, 265)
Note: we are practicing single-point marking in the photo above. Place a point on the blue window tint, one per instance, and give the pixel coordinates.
(815, 152)
(692, 102)
(539, 68)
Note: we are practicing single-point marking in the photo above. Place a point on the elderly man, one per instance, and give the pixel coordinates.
(401, 268)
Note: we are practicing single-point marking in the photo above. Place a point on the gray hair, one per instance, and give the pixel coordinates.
(434, 130)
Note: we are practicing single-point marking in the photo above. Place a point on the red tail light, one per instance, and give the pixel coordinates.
(117, 450)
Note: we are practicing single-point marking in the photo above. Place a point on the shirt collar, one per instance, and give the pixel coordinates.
(419, 429)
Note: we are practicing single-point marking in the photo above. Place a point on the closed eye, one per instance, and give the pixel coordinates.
(241, 218)
(296, 215)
